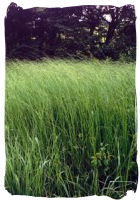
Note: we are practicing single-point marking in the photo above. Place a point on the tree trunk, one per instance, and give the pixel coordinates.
(110, 33)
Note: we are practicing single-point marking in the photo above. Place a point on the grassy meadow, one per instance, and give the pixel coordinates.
(70, 128)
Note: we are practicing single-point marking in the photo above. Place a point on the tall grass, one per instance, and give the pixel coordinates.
(70, 128)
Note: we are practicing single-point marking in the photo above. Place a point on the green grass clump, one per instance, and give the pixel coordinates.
(70, 128)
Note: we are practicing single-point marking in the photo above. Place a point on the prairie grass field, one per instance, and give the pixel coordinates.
(70, 128)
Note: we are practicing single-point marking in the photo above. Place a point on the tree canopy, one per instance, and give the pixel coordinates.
(79, 32)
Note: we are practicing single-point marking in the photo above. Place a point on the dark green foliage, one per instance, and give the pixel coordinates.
(77, 32)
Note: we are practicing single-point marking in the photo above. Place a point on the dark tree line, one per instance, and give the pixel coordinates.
(79, 32)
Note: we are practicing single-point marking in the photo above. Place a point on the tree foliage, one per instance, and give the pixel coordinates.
(79, 32)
